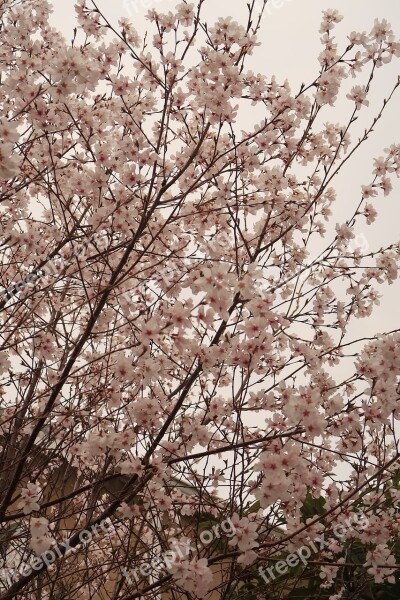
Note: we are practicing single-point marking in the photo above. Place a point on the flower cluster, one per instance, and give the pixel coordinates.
(246, 533)
(378, 557)
(29, 498)
(40, 540)
(9, 161)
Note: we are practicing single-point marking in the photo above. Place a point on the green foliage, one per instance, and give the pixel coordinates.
(313, 506)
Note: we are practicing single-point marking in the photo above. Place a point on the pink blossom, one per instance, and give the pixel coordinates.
(29, 498)
(358, 95)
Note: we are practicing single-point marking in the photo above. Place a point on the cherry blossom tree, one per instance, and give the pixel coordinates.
(174, 354)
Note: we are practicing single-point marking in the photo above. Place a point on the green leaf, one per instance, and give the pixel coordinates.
(313, 506)
(206, 525)
(253, 508)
